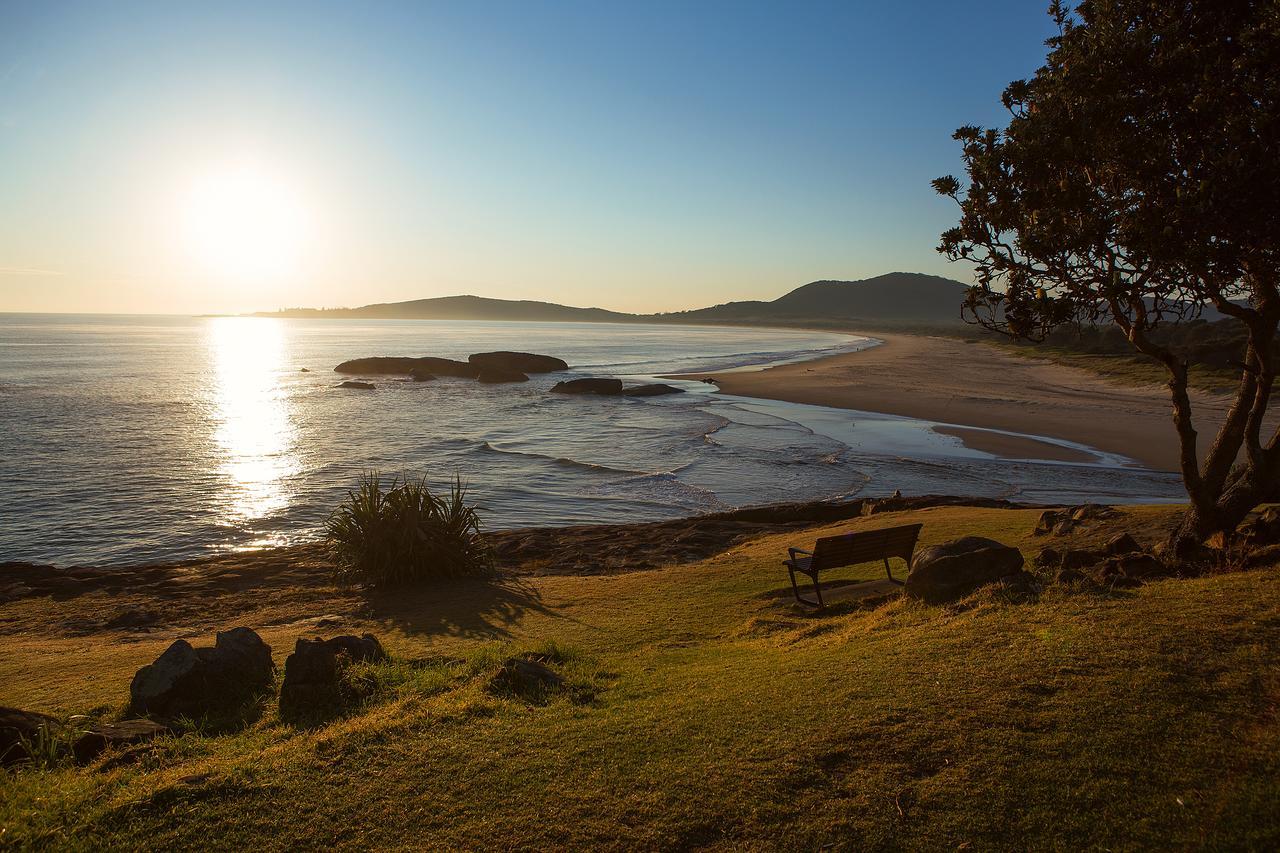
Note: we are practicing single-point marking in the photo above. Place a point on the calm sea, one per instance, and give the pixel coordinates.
(136, 439)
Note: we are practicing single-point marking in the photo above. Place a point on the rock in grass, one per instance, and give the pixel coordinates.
(1121, 544)
(312, 687)
(594, 385)
(499, 375)
(525, 677)
(20, 730)
(952, 570)
(656, 389)
(192, 682)
(103, 736)
(357, 386)
(517, 362)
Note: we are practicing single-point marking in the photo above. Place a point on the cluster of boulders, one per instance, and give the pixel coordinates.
(491, 368)
(487, 367)
(1121, 562)
(1059, 522)
(952, 570)
(199, 683)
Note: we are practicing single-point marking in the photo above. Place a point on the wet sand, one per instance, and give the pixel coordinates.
(972, 384)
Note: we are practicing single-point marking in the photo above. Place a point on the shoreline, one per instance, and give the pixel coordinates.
(978, 394)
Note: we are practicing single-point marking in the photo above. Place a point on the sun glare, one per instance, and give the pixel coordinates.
(244, 224)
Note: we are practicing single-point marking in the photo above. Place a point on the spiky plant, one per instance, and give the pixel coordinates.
(406, 533)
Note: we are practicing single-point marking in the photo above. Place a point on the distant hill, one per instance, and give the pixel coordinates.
(899, 299)
(464, 308)
(896, 298)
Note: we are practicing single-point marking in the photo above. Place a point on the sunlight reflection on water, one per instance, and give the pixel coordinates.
(252, 424)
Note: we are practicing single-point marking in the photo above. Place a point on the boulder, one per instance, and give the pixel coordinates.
(1121, 544)
(1079, 558)
(395, 365)
(517, 362)
(1047, 522)
(526, 677)
(312, 687)
(497, 375)
(954, 569)
(189, 681)
(606, 386)
(306, 370)
(19, 728)
(1263, 530)
(358, 386)
(656, 389)
(102, 736)
(419, 375)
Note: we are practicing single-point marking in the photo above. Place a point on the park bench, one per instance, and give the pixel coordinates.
(850, 549)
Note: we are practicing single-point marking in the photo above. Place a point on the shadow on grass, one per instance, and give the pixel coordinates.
(471, 608)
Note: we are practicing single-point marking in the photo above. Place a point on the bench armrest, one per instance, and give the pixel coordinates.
(794, 551)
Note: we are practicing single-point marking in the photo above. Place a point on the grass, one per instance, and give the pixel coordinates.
(701, 709)
(1126, 368)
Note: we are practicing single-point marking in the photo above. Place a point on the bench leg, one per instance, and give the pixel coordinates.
(795, 588)
(889, 572)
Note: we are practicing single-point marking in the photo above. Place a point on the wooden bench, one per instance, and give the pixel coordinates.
(850, 549)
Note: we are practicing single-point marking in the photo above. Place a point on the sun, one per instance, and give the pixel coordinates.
(244, 223)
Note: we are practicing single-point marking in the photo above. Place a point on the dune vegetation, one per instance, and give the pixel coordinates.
(699, 707)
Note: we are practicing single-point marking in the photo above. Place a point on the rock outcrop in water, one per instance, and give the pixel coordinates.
(356, 386)
(591, 385)
(407, 366)
(656, 389)
(519, 362)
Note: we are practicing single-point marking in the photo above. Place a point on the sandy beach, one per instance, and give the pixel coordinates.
(976, 385)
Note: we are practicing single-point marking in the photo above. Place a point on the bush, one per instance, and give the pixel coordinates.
(406, 533)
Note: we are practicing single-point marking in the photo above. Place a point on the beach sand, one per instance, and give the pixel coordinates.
(976, 385)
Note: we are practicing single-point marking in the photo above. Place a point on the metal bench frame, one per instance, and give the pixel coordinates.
(851, 549)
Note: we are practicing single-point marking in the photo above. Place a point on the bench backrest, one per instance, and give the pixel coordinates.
(832, 552)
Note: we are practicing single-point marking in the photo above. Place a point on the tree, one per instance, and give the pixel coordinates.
(1138, 180)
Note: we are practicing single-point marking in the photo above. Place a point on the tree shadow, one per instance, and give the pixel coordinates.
(473, 608)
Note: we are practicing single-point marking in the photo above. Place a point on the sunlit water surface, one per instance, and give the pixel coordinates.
(135, 439)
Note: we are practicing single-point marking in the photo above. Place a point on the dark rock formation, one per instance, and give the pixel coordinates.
(498, 375)
(312, 688)
(526, 677)
(1060, 522)
(379, 365)
(517, 362)
(656, 389)
(103, 736)
(19, 728)
(359, 386)
(606, 386)
(419, 375)
(954, 569)
(1121, 544)
(189, 681)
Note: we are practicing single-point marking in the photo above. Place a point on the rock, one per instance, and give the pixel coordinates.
(188, 681)
(19, 728)
(1091, 512)
(1263, 530)
(1121, 544)
(305, 370)
(379, 365)
(496, 375)
(132, 618)
(1020, 586)
(103, 736)
(1049, 558)
(525, 677)
(1047, 522)
(1141, 566)
(517, 362)
(359, 386)
(1063, 527)
(418, 375)
(657, 389)
(1078, 558)
(954, 569)
(605, 386)
(312, 687)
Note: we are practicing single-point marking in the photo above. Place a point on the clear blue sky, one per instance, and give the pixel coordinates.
(635, 156)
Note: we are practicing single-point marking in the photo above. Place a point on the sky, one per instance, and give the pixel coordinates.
(228, 157)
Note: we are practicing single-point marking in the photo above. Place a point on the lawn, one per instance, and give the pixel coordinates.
(704, 710)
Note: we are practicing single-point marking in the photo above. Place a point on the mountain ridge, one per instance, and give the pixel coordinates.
(896, 297)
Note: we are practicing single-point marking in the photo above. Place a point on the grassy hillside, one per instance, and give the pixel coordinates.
(704, 710)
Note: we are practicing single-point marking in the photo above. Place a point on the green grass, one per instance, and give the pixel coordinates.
(701, 709)
(1126, 368)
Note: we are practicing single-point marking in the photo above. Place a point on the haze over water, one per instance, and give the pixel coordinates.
(137, 439)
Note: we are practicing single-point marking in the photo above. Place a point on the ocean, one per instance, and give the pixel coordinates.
(126, 440)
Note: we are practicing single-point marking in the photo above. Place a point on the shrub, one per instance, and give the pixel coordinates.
(406, 533)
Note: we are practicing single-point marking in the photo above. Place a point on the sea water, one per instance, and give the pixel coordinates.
(137, 439)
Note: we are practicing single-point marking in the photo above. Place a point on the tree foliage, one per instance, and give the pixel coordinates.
(1138, 180)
